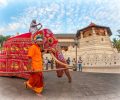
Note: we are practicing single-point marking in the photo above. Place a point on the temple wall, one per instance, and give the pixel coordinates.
(96, 56)
(97, 44)
(100, 63)
(95, 60)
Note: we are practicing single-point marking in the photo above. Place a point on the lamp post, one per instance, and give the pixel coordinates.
(76, 45)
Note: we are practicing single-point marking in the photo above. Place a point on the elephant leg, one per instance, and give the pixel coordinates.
(59, 72)
(68, 75)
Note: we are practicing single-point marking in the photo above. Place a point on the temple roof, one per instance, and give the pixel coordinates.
(93, 25)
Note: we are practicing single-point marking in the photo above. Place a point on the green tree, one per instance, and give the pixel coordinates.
(116, 44)
(119, 33)
(2, 39)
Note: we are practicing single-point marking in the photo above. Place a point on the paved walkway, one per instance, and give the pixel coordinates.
(84, 86)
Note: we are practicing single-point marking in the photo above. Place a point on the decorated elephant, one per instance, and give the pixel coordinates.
(13, 57)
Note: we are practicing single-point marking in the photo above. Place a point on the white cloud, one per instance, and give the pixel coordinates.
(69, 16)
(3, 3)
(2, 30)
(12, 27)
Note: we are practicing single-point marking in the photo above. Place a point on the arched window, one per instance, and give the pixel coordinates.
(65, 48)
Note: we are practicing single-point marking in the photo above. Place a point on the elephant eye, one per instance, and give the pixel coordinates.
(50, 40)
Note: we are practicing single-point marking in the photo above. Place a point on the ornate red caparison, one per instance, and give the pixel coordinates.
(13, 56)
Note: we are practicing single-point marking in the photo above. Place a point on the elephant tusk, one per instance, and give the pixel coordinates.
(66, 65)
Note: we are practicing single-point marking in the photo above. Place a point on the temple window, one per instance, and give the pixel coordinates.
(65, 48)
(87, 41)
(97, 33)
(103, 34)
(87, 33)
(90, 34)
(102, 39)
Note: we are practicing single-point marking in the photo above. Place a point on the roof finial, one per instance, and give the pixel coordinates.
(92, 24)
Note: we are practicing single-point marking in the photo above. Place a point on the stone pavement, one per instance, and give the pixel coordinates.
(84, 86)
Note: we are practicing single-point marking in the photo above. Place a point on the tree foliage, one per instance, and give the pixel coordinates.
(119, 33)
(116, 44)
(3, 38)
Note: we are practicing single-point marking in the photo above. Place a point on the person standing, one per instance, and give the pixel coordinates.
(35, 82)
(80, 64)
(46, 63)
(74, 64)
(68, 61)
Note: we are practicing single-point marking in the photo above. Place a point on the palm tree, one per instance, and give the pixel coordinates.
(116, 44)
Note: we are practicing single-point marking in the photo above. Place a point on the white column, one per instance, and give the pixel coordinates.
(106, 34)
(93, 31)
(81, 34)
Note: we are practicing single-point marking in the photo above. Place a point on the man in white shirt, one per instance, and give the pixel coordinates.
(34, 28)
(46, 63)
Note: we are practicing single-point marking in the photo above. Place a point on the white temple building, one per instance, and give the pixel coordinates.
(94, 47)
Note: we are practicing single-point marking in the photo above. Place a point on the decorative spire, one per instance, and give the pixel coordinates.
(92, 24)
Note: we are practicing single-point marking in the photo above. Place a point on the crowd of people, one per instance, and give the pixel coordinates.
(73, 63)
(49, 63)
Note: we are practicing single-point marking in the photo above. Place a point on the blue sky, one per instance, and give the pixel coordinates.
(61, 16)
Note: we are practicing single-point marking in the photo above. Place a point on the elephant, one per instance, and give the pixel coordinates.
(15, 53)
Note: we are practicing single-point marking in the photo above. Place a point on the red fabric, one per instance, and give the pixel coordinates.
(36, 80)
(16, 49)
(15, 54)
(25, 35)
(49, 40)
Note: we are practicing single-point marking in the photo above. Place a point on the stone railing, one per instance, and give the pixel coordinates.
(101, 59)
(102, 69)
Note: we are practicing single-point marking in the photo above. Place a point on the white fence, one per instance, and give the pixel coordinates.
(95, 60)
